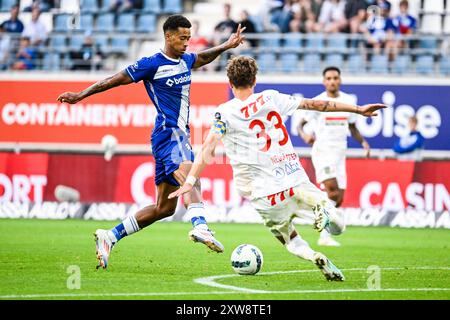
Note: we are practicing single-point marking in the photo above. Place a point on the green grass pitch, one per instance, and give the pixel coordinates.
(161, 263)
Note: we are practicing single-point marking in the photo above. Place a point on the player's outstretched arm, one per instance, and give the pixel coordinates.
(118, 79)
(200, 162)
(368, 110)
(358, 137)
(209, 55)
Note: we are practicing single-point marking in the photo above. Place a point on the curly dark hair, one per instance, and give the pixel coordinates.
(176, 21)
(242, 71)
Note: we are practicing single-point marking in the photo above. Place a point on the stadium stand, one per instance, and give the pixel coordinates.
(123, 35)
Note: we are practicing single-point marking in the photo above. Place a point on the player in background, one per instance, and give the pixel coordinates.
(167, 77)
(329, 142)
(266, 168)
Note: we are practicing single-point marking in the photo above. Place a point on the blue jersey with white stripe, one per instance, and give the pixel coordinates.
(167, 82)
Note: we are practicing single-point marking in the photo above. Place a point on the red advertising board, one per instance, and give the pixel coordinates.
(388, 184)
(29, 112)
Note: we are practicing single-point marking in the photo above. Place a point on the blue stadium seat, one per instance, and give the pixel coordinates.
(86, 22)
(334, 60)
(76, 41)
(146, 23)
(292, 41)
(337, 42)
(428, 44)
(151, 6)
(271, 40)
(401, 64)
(356, 64)
(289, 62)
(120, 44)
(61, 22)
(257, 21)
(445, 65)
(7, 4)
(425, 64)
(314, 42)
(379, 64)
(51, 61)
(172, 6)
(89, 6)
(58, 42)
(126, 22)
(105, 22)
(106, 4)
(103, 42)
(311, 63)
(267, 62)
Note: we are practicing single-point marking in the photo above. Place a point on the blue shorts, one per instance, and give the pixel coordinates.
(170, 148)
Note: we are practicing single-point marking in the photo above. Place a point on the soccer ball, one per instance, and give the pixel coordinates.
(246, 259)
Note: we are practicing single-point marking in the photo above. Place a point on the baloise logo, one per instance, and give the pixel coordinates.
(181, 79)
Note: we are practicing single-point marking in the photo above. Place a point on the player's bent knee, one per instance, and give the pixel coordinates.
(165, 211)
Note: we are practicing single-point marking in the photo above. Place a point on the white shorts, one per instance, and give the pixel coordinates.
(328, 164)
(278, 210)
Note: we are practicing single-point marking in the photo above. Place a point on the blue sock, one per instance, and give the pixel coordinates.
(199, 222)
(119, 231)
(125, 228)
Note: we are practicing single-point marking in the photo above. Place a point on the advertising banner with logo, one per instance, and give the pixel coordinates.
(29, 112)
(375, 188)
(428, 103)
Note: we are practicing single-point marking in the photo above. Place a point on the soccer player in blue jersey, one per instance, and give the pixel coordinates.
(167, 78)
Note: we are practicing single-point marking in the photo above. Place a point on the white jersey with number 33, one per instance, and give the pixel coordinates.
(258, 145)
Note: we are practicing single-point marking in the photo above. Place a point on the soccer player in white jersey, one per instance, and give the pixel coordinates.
(166, 76)
(329, 142)
(266, 168)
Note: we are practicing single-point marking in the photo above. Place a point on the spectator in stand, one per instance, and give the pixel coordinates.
(26, 56)
(379, 29)
(269, 13)
(35, 30)
(5, 47)
(43, 5)
(304, 18)
(410, 146)
(225, 27)
(13, 25)
(405, 24)
(222, 31)
(125, 5)
(355, 13)
(332, 16)
(249, 28)
(284, 16)
(197, 42)
(89, 56)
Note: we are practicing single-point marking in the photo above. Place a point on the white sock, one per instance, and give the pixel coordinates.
(325, 234)
(300, 248)
(196, 214)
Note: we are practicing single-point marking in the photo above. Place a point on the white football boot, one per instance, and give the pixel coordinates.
(103, 246)
(206, 237)
(321, 218)
(329, 270)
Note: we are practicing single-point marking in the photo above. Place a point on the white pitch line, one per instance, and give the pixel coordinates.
(209, 281)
